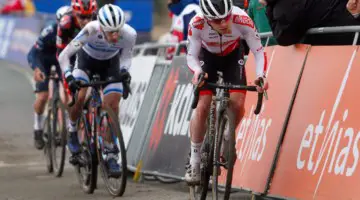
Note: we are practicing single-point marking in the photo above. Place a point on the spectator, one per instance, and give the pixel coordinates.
(290, 20)
(353, 7)
(22, 7)
(257, 12)
(183, 10)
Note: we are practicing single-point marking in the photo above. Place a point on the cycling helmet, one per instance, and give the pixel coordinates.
(61, 11)
(84, 7)
(216, 9)
(111, 18)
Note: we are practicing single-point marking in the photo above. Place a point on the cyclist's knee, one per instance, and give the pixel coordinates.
(81, 96)
(202, 109)
(112, 100)
(237, 104)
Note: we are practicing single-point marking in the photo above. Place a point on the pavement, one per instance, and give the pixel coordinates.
(23, 174)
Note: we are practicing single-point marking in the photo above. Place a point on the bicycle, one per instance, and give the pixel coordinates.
(210, 151)
(94, 124)
(55, 128)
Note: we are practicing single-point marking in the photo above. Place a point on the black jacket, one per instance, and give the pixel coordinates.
(290, 19)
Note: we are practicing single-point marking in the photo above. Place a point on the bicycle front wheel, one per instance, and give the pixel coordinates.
(230, 151)
(47, 139)
(110, 128)
(86, 170)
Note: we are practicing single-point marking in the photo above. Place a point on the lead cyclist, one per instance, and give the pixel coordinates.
(104, 47)
(213, 37)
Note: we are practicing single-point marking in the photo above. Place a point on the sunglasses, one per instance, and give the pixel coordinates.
(218, 21)
(82, 17)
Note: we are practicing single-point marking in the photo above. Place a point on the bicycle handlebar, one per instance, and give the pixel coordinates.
(94, 84)
(223, 86)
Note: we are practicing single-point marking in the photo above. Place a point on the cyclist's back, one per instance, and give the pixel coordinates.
(96, 46)
(45, 46)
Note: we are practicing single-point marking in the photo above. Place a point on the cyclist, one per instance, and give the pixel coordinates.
(104, 47)
(214, 35)
(83, 11)
(41, 57)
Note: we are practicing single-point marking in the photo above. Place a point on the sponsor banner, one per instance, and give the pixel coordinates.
(319, 158)
(17, 35)
(257, 136)
(141, 71)
(138, 13)
(169, 141)
(141, 133)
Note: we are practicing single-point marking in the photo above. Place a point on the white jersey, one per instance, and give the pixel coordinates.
(201, 34)
(92, 40)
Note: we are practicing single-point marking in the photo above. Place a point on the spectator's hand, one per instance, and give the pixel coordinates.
(264, 2)
(38, 75)
(353, 6)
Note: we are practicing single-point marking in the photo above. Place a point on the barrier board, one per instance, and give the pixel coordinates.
(257, 136)
(169, 141)
(141, 71)
(320, 154)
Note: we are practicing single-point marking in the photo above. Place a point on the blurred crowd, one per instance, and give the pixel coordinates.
(288, 20)
(27, 8)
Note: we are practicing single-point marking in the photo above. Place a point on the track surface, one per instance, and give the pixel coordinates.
(23, 174)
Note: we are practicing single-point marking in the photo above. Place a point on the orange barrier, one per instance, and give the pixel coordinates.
(320, 154)
(257, 136)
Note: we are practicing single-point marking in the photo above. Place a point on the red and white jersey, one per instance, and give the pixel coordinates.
(201, 34)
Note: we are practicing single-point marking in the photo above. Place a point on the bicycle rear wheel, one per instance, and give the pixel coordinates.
(86, 169)
(58, 140)
(109, 124)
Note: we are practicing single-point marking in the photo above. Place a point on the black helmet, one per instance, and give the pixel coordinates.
(216, 9)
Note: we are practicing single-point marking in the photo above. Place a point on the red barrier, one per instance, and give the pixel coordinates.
(258, 136)
(320, 153)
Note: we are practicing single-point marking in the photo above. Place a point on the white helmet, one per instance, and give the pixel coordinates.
(61, 11)
(216, 9)
(111, 17)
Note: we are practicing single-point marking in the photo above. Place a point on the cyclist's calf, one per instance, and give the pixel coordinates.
(40, 102)
(75, 111)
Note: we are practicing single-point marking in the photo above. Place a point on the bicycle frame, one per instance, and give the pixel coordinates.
(95, 105)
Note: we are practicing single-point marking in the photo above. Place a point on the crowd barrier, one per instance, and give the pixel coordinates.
(17, 35)
(284, 151)
(304, 144)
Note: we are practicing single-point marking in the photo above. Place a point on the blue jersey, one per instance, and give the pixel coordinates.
(43, 53)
